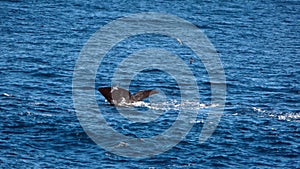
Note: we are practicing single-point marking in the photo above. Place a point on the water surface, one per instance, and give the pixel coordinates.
(258, 43)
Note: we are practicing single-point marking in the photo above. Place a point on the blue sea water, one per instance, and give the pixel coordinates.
(258, 43)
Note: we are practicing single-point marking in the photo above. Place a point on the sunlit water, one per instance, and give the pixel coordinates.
(258, 43)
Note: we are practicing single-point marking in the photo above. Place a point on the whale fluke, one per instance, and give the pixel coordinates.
(117, 95)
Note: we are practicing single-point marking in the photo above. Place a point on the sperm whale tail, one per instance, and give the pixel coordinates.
(117, 95)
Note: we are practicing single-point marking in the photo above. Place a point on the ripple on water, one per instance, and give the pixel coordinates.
(258, 47)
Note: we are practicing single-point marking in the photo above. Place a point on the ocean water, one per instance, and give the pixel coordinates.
(258, 44)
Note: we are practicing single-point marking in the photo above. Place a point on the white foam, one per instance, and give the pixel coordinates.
(258, 109)
(170, 105)
(6, 94)
(289, 116)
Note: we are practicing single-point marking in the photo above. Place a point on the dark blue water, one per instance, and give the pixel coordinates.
(258, 43)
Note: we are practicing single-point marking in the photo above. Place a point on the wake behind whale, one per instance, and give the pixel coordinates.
(121, 97)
